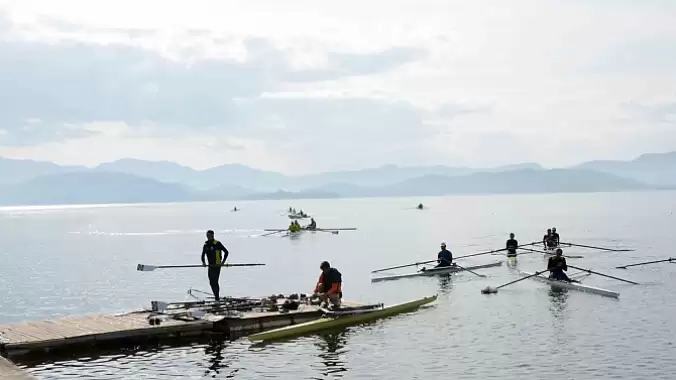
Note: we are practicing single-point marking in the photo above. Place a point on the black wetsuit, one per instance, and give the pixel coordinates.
(555, 238)
(556, 269)
(216, 253)
(511, 247)
(444, 258)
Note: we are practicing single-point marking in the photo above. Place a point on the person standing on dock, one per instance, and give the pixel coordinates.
(557, 265)
(216, 253)
(329, 287)
(445, 257)
(511, 246)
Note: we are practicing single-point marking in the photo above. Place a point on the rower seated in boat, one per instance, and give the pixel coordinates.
(445, 257)
(511, 246)
(312, 225)
(294, 226)
(329, 286)
(557, 265)
(420, 206)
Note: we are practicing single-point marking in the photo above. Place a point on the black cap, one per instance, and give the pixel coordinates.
(325, 265)
(210, 232)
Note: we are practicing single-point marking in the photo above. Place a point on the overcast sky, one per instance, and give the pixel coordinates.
(307, 86)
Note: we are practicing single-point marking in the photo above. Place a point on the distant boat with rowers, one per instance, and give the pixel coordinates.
(435, 272)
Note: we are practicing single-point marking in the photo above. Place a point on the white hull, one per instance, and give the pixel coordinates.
(435, 272)
(574, 285)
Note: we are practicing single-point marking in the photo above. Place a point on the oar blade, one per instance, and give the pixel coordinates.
(145, 268)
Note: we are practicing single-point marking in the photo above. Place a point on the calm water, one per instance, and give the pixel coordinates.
(74, 261)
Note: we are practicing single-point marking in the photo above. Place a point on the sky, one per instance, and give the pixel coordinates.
(305, 86)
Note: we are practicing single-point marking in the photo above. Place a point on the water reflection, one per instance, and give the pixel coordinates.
(331, 345)
(217, 362)
(446, 283)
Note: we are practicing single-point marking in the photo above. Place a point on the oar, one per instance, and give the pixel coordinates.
(459, 257)
(470, 271)
(488, 289)
(150, 268)
(671, 259)
(271, 233)
(601, 248)
(604, 275)
(331, 232)
(493, 251)
(548, 253)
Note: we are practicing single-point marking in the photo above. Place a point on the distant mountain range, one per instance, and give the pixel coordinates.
(130, 181)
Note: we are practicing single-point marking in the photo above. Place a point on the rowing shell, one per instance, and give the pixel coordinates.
(574, 285)
(435, 272)
(329, 321)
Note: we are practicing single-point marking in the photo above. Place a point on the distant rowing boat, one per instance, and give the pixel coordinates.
(435, 272)
(574, 285)
(341, 318)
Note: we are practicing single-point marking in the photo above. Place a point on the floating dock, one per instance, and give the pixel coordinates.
(8, 371)
(177, 320)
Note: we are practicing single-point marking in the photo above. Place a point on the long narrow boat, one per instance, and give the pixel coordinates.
(341, 319)
(574, 285)
(435, 272)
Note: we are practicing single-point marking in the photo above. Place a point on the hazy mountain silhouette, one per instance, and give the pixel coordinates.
(517, 181)
(92, 187)
(653, 168)
(21, 170)
(129, 180)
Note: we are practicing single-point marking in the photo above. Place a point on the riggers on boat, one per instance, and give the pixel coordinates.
(574, 285)
(341, 318)
(435, 271)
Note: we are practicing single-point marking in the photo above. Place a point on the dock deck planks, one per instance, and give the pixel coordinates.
(64, 333)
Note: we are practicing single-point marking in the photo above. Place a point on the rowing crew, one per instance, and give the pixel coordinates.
(293, 212)
(295, 226)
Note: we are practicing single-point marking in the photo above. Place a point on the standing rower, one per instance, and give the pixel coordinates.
(216, 253)
(547, 239)
(511, 246)
(555, 237)
(329, 286)
(557, 265)
(445, 257)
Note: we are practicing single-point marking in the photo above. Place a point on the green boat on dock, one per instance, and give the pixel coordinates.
(341, 318)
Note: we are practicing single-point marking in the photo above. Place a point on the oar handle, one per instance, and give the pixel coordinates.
(523, 278)
(604, 275)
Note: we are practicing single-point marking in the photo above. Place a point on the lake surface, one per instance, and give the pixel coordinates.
(62, 261)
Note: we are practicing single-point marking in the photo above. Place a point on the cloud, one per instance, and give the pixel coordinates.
(73, 82)
(314, 86)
